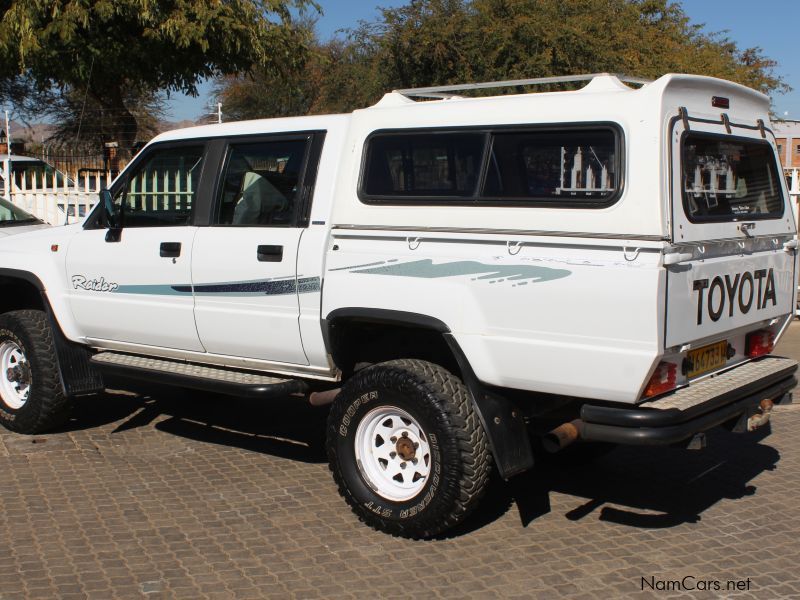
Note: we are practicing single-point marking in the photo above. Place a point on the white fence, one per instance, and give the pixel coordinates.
(54, 197)
(793, 178)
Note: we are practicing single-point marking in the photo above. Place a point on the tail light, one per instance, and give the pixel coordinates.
(663, 379)
(759, 343)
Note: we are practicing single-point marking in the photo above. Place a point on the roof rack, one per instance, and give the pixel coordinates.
(445, 91)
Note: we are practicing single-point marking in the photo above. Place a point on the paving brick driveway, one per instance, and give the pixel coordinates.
(183, 495)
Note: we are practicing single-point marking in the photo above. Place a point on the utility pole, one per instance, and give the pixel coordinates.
(215, 114)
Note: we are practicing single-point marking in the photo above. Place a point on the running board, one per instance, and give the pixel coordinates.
(233, 382)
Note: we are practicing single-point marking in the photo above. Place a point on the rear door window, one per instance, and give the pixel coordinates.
(729, 179)
(261, 183)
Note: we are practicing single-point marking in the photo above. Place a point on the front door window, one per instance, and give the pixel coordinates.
(161, 191)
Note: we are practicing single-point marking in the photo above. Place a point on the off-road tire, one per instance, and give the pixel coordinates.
(460, 457)
(47, 406)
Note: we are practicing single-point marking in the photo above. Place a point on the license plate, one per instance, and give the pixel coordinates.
(707, 358)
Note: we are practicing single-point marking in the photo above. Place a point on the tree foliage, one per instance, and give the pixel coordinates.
(334, 78)
(115, 49)
(432, 42)
(81, 121)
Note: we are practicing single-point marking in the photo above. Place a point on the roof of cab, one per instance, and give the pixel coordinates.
(253, 127)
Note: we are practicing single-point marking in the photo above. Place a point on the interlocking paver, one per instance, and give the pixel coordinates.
(174, 494)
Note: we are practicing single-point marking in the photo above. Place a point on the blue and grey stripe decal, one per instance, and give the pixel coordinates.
(258, 287)
(518, 274)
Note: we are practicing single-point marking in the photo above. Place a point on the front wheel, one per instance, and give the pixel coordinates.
(407, 449)
(32, 399)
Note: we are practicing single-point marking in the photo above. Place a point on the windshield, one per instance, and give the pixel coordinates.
(730, 179)
(10, 214)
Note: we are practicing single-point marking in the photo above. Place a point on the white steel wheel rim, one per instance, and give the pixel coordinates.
(393, 453)
(15, 375)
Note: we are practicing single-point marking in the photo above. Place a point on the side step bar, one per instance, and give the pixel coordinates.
(199, 377)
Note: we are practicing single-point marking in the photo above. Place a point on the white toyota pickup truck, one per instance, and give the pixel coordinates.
(464, 279)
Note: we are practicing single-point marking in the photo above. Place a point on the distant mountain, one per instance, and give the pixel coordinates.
(168, 125)
(38, 133)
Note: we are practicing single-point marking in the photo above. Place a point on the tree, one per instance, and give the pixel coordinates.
(79, 119)
(272, 90)
(639, 37)
(432, 42)
(23, 94)
(334, 78)
(106, 48)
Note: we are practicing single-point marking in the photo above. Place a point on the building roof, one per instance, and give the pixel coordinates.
(18, 158)
(786, 128)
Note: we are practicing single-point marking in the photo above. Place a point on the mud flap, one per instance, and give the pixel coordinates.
(78, 376)
(503, 422)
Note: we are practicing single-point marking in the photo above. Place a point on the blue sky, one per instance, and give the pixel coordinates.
(774, 25)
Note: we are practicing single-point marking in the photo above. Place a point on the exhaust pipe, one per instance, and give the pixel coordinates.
(563, 436)
(323, 398)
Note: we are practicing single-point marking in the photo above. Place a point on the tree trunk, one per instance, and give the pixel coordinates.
(125, 126)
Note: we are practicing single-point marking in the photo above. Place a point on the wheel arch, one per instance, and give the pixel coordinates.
(21, 290)
(358, 335)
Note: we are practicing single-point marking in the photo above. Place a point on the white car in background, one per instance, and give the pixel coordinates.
(14, 220)
(35, 172)
(33, 175)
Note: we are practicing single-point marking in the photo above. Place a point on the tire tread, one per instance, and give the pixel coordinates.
(452, 398)
(50, 407)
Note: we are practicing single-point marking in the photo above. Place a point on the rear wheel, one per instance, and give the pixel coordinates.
(32, 399)
(406, 448)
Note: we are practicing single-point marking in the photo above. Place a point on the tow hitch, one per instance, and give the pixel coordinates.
(761, 416)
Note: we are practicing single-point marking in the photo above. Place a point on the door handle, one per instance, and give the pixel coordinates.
(270, 253)
(170, 249)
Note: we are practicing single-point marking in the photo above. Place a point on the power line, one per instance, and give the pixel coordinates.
(85, 95)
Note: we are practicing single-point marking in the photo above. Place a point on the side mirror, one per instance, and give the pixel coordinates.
(110, 216)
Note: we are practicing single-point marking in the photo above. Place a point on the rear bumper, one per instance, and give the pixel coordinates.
(724, 398)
